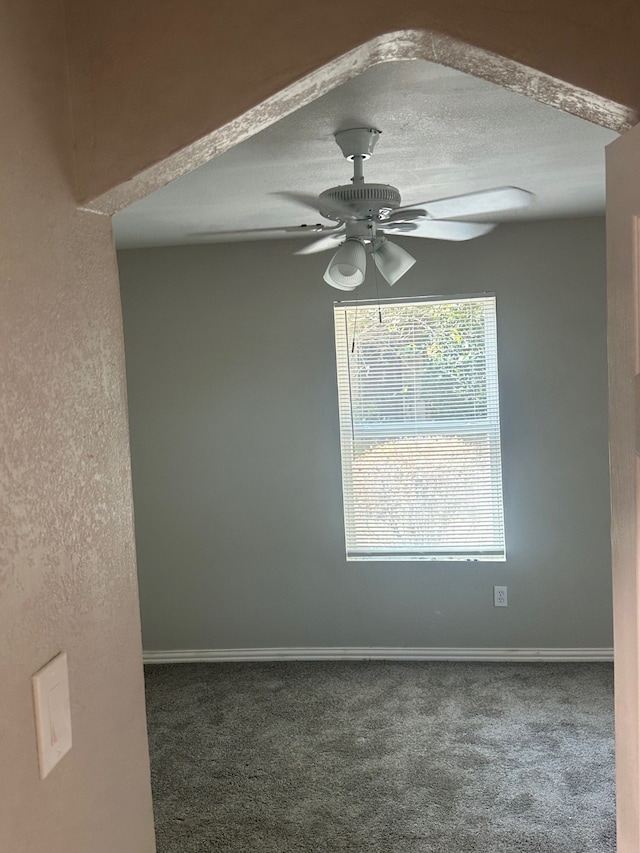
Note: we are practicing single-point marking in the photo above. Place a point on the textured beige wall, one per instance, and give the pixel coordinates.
(155, 75)
(67, 563)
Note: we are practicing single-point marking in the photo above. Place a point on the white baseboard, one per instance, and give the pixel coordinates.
(374, 653)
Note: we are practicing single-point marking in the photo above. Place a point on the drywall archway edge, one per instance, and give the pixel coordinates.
(395, 46)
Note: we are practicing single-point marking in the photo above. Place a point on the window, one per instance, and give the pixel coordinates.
(420, 429)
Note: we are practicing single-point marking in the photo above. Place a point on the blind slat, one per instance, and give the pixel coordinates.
(420, 429)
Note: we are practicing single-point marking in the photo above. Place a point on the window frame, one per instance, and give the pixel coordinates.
(489, 426)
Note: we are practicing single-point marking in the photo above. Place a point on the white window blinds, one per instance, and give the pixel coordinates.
(420, 429)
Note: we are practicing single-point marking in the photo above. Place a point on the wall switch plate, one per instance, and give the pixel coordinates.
(499, 596)
(53, 712)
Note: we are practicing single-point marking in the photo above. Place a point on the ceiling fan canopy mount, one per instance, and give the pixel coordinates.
(357, 142)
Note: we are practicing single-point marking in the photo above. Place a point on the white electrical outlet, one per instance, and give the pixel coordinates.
(499, 596)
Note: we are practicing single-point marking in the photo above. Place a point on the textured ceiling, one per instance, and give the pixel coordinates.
(443, 133)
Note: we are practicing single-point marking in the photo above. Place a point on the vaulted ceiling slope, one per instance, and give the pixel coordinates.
(443, 133)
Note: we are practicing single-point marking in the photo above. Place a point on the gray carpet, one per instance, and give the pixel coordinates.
(382, 757)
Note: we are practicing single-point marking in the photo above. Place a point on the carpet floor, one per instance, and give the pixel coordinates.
(382, 757)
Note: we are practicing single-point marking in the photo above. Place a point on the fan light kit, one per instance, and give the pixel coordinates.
(365, 213)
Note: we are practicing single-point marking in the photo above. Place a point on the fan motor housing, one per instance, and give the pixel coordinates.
(361, 200)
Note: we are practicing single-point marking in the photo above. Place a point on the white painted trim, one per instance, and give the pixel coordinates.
(374, 653)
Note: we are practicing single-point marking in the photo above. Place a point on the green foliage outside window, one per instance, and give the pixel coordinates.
(419, 347)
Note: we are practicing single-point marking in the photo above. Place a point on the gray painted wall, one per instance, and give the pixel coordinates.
(236, 459)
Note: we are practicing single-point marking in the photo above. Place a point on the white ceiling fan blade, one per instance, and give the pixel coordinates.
(406, 214)
(305, 199)
(247, 233)
(331, 241)
(472, 204)
(437, 230)
(326, 208)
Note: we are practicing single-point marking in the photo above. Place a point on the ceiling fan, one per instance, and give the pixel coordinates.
(365, 213)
